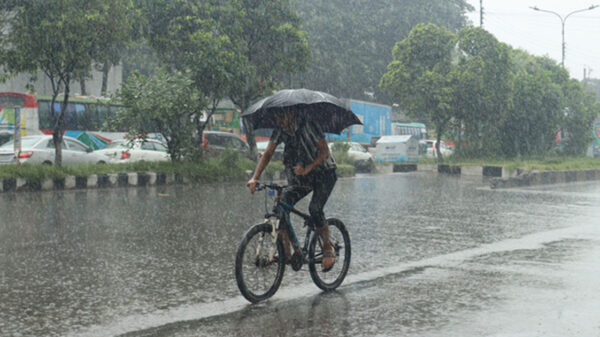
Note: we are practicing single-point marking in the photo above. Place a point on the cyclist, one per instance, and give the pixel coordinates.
(309, 167)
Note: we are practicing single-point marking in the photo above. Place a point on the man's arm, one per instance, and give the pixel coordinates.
(321, 157)
(260, 167)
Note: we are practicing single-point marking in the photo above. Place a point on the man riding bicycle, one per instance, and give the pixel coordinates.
(309, 167)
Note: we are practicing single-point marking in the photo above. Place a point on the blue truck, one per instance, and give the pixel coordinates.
(376, 119)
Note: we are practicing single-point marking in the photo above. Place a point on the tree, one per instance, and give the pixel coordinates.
(274, 46)
(482, 90)
(532, 120)
(593, 85)
(164, 102)
(196, 37)
(581, 109)
(57, 37)
(351, 40)
(418, 77)
(115, 33)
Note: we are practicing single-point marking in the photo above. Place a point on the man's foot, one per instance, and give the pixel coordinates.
(328, 259)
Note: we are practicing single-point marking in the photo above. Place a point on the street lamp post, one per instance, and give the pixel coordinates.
(562, 20)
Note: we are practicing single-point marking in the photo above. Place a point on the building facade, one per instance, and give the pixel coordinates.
(43, 87)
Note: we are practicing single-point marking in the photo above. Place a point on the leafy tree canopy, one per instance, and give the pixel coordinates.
(60, 38)
(351, 41)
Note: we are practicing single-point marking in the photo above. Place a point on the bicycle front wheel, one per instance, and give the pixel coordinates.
(338, 235)
(257, 272)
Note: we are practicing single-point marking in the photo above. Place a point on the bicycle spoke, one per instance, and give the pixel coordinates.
(257, 272)
(331, 279)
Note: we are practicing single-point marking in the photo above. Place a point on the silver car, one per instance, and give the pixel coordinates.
(40, 150)
(129, 151)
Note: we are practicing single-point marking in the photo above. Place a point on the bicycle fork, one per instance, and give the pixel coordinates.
(274, 226)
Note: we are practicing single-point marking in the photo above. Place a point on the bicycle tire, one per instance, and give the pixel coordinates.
(258, 265)
(339, 237)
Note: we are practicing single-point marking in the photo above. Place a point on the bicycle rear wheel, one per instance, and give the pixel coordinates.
(258, 276)
(340, 239)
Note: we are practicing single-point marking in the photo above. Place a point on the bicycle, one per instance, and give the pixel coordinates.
(259, 271)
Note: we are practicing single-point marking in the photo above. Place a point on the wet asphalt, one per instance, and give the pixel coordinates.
(432, 255)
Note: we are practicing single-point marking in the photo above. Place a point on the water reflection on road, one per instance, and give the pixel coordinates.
(428, 251)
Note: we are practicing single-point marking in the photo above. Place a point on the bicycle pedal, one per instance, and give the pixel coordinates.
(296, 261)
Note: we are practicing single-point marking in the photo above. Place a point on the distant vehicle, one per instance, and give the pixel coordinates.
(130, 151)
(376, 119)
(418, 130)
(362, 159)
(40, 150)
(84, 116)
(397, 149)
(214, 142)
(262, 147)
(445, 149)
(5, 137)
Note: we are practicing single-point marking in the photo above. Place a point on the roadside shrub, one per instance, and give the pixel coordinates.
(340, 153)
(345, 170)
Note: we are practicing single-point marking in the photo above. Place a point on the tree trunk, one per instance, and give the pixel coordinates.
(438, 145)
(82, 84)
(105, 70)
(59, 126)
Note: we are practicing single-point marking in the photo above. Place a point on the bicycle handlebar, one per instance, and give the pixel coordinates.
(261, 186)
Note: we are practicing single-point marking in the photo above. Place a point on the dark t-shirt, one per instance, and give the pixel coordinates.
(301, 146)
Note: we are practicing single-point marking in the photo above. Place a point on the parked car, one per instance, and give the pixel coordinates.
(262, 147)
(40, 150)
(214, 142)
(445, 149)
(130, 151)
(5, 137)
(362, 159)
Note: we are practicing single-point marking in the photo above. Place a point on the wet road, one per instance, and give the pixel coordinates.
(432, 256)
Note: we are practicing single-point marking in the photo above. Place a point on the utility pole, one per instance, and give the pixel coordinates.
(586, 73)
(563, 20)
(480, 13)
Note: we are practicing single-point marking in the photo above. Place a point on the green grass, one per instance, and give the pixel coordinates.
(228, 166)
(525, 164)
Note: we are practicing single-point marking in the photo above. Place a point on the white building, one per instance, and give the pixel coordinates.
(43, 87)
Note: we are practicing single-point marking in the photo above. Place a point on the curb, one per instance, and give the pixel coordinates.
(103, 181)
(545, 178)
(501, 178)
(478, 171)
(93, 181)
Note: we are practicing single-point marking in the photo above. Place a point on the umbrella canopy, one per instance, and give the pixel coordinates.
(324, 109)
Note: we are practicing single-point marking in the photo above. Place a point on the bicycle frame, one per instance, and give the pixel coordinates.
(285, 210)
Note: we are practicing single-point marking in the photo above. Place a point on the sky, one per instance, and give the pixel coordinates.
(539, 33)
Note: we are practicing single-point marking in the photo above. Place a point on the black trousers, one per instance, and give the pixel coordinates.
(321, 183)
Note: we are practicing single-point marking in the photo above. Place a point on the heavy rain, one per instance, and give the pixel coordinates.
(299, 168)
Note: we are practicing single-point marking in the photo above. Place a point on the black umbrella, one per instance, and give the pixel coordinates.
(324, 109)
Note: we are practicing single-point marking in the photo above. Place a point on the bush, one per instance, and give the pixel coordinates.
(340, 153)
(345, 170)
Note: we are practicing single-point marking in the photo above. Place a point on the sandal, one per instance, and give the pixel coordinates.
(328, 254)
(285, 260)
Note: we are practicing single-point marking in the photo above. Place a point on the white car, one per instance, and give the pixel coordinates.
(444, 149)
(40, 150)
(5, 137)
(361, 157)
(129, 151)
(261, 147)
